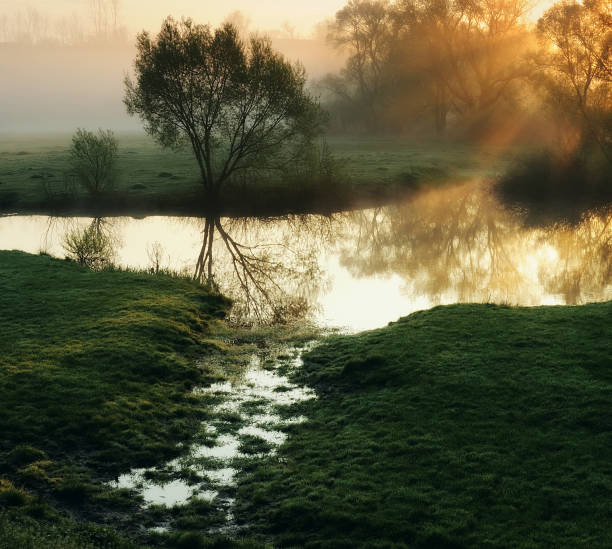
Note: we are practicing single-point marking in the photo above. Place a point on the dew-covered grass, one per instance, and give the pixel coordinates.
(96, 377)
(463, 426)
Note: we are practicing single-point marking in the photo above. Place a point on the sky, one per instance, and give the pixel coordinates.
(148, 14)
(303, 15)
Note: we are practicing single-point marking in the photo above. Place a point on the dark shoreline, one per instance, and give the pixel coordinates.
(266, 202)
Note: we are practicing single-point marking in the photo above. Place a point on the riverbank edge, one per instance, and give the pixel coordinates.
(461, 426)
(35, 177)
(257, 200)
(96, 377)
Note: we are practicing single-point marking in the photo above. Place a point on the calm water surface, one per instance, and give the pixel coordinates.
(361, 269)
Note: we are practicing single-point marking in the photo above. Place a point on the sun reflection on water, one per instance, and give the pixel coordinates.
(361, 269)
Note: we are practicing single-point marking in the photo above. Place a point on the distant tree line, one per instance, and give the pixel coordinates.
(100, 23)
(469, 65)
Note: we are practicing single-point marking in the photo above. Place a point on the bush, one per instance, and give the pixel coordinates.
(90, 247)
(94, 159)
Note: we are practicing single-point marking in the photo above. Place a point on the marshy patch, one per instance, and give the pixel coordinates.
(247, 421)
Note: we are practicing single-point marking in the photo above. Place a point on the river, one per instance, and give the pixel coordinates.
(361, 269)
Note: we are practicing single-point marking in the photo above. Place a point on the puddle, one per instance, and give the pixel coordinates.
(174, 492)
(273, 437)
(222, 476)
(246, 425)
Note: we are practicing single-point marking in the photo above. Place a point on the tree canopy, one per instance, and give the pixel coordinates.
(438, 57)
(240, 106)
(579, 65)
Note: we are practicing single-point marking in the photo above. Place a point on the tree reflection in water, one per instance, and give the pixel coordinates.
(270, 268)
(446, 245)
(584, 260)
(457, 244)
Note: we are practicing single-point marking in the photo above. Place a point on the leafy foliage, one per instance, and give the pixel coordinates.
(579, 67)
(90, 246)
(94, 159)
(417, 61)
(237, 105)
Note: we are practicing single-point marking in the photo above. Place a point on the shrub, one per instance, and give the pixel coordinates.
(553, 185)
(89, 246)
(94, 159)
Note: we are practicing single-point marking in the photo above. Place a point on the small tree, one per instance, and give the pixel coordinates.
(90, 246)
(237, 105)
(94, 159)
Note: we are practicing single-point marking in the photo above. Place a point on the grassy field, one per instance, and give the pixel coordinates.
(463, 426)
(95, 376)
(369, 170)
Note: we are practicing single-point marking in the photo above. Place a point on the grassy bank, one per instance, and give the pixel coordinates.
(463, 426)
(95, 373)
(369, 171)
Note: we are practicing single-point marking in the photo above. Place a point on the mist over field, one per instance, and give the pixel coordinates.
(57, 88)
(63, 65)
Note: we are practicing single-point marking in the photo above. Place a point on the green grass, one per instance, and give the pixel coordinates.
(24, 532)
(463, 426)
(32, 175)
(95, 376)
(387, 160)
(97, 361)
(152, 180)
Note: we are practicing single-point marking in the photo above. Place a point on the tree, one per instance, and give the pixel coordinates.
(470, 50)
(364, 27)
(411, 57)
(94, 159)
(578, 64)
(240, 106)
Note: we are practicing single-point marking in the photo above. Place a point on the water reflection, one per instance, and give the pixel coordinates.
(460, 245)
(361, 269)
(270, 268)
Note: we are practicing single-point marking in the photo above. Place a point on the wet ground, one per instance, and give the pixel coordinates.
(248, 419)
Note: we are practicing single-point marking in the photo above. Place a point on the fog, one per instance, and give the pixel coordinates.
(58, 88)
(147, 14)
(62, 64)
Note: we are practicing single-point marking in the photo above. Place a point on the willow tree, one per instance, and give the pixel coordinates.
(240, 106)
(471, 50)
